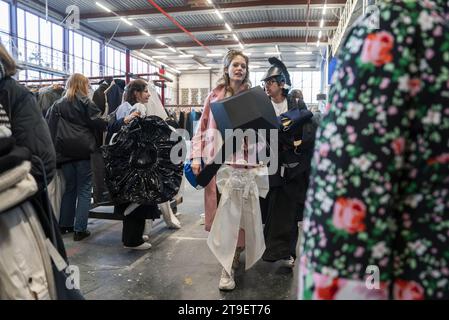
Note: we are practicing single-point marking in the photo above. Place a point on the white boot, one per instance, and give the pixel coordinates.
(169, 217)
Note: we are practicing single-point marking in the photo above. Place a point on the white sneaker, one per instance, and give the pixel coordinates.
(146, 237)
(227, 282)
(143, 246)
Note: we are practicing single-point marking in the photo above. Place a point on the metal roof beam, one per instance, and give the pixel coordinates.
(224, 7)
(271, 26)
(227, 43)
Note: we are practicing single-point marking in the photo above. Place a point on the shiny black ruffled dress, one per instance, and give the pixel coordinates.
(138, 164)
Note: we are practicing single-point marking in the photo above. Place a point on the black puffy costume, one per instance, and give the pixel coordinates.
(138, 164)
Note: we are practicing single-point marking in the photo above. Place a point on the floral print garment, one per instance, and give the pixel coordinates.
(379, 193)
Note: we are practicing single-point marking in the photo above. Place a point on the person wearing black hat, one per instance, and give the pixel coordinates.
(283, 207)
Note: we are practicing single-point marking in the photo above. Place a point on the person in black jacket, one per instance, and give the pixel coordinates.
(73, 120)
(29, 132)
(283, 207)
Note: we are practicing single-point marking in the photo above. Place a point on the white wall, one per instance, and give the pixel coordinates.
(197, 80)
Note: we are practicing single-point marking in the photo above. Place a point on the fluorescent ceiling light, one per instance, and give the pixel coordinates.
(248, 54)
(320, 34)
(228, 27)
(303, 66)
(219, 14)
(159, 57)
(204, 68)
(126, 21)
(144, 32)
(214, 54)
(183, 68)
(209, 1)
(172, 49)
(318, 43)
(303, 53)
(272, 53)
(160, 42)
(241, 46)
(324, 9)
(235, 37)
(185, 56)
(103, 7)
(322, 23)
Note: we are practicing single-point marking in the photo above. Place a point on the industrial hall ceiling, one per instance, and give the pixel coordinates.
(192, 34)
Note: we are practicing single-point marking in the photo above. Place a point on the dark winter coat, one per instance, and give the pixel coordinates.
(80, 112)
(29, 128)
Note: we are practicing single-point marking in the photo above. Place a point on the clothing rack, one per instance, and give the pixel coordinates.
(105, 77)
(157, 82)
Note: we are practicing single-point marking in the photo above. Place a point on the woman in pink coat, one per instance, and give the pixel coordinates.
(207, 142)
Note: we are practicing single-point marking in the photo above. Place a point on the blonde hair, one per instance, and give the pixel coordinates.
(77, 84)
(8, 62)
(225, 80)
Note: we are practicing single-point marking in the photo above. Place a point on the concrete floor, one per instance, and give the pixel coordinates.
(179, 266)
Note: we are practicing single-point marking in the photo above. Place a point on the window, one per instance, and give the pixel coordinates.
(4, 25)
(4, 13)
(123, 62)
(115, 61)
(58, 57)
(45, 43)
(21, 34)
(32, 37)
(87, 56)
(95, 58)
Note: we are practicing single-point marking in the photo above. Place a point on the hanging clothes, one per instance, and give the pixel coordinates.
(114, 94)
(193, 118)
(99, 97)
(47, 96)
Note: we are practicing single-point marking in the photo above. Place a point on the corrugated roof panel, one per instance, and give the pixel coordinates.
(274, 33)
(110, 26)
(141, 4)
(198, 20)
(156, 22)
(85, 6)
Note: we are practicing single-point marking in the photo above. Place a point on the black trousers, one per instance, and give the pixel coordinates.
(282, 209)
(134, 223)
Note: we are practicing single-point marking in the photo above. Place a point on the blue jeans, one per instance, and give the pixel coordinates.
(75, 202)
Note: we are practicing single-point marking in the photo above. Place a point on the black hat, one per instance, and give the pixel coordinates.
(278, 70)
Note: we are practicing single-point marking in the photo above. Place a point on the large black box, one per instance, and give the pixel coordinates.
(251, 109)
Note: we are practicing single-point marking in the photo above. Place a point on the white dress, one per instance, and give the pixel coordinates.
(239, 208)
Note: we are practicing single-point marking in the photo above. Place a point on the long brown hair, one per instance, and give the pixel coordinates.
(134, 86)
(225, 80)
(77, 84)
(9, 65)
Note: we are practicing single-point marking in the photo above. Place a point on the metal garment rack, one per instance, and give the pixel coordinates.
(158, 82)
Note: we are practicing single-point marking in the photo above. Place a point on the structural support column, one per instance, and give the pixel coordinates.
(128, 65)
(66, 50)
(14, 42)
(177, 89)
(102, 58)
